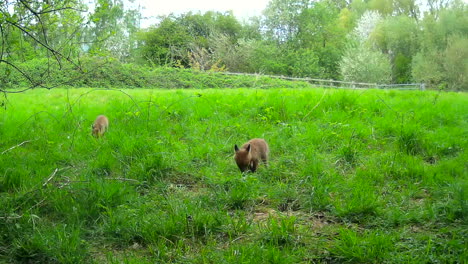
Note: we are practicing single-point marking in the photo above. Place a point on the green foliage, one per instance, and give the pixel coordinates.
(108, 73)
(166, 44)
(456, 62)
(399, 37)
(409, 141)
(112, 30)
(305, 63)
(357, 203)
(303, 38)
(362, 64)
(442, 39)
(175, 39)
(402, 69)
(239, 194)
(426, 68)
(282, 18)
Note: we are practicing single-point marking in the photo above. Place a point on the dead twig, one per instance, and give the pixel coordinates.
(123, 179)
(11, 217)
(19, 216)
(313, 108)
(51, 177)
(24, 142)
(238, 238)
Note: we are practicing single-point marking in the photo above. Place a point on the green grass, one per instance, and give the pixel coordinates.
(355, 176)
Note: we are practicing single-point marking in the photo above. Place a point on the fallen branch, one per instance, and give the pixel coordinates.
(11, 217)
(24, 142)
(313, 108)
(123, 179)
(53, 175)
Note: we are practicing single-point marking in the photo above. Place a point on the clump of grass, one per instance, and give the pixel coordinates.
(410, 142)
(239, 193)
(251, 252)
(370, 246)
(236, 225)
(279, 231)
(12, 180)
(171, 221)
(62, 244)
(286, 197)
(84, 202)
(359, 202)
(318, 192)
(348, 155)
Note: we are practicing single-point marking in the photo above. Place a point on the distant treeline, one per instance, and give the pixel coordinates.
(378, 41)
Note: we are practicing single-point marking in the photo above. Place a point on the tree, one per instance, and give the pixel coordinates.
(189, 39)
(165, 44)
(383, 7)
(321, 31)
(49, 30)
(397, 36)
(455, 62)
(281, 18)
(366, 25)
(112, 29)
(441, 60)
(362, 62)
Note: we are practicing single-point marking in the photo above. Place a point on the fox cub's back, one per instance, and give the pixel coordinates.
(100, 126)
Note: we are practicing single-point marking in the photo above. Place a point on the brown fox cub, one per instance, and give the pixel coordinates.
(100, 126)
(249, 155)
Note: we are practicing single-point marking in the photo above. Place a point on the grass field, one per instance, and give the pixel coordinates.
(355, 176)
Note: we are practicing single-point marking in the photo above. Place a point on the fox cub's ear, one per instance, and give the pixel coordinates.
(236, 148)
(248, 148)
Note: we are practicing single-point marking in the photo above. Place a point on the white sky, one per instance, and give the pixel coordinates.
(242, 8)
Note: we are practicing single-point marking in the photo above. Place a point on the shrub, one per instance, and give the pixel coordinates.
(107, 73)
(362, 64)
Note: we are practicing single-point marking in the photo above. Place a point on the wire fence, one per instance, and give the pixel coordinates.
(339, 84)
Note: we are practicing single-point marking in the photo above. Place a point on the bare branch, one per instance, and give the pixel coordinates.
(18, 91)
(2, 32)
(38, 18)
(30, 79)
(45, 45)
(60, 9)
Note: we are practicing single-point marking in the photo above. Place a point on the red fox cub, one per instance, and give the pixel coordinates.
(249, 155)
(100, 126)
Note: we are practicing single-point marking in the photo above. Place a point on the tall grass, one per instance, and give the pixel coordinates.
(355, 176)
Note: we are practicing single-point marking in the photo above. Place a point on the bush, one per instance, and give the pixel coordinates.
(362, 64)
(107, 73)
